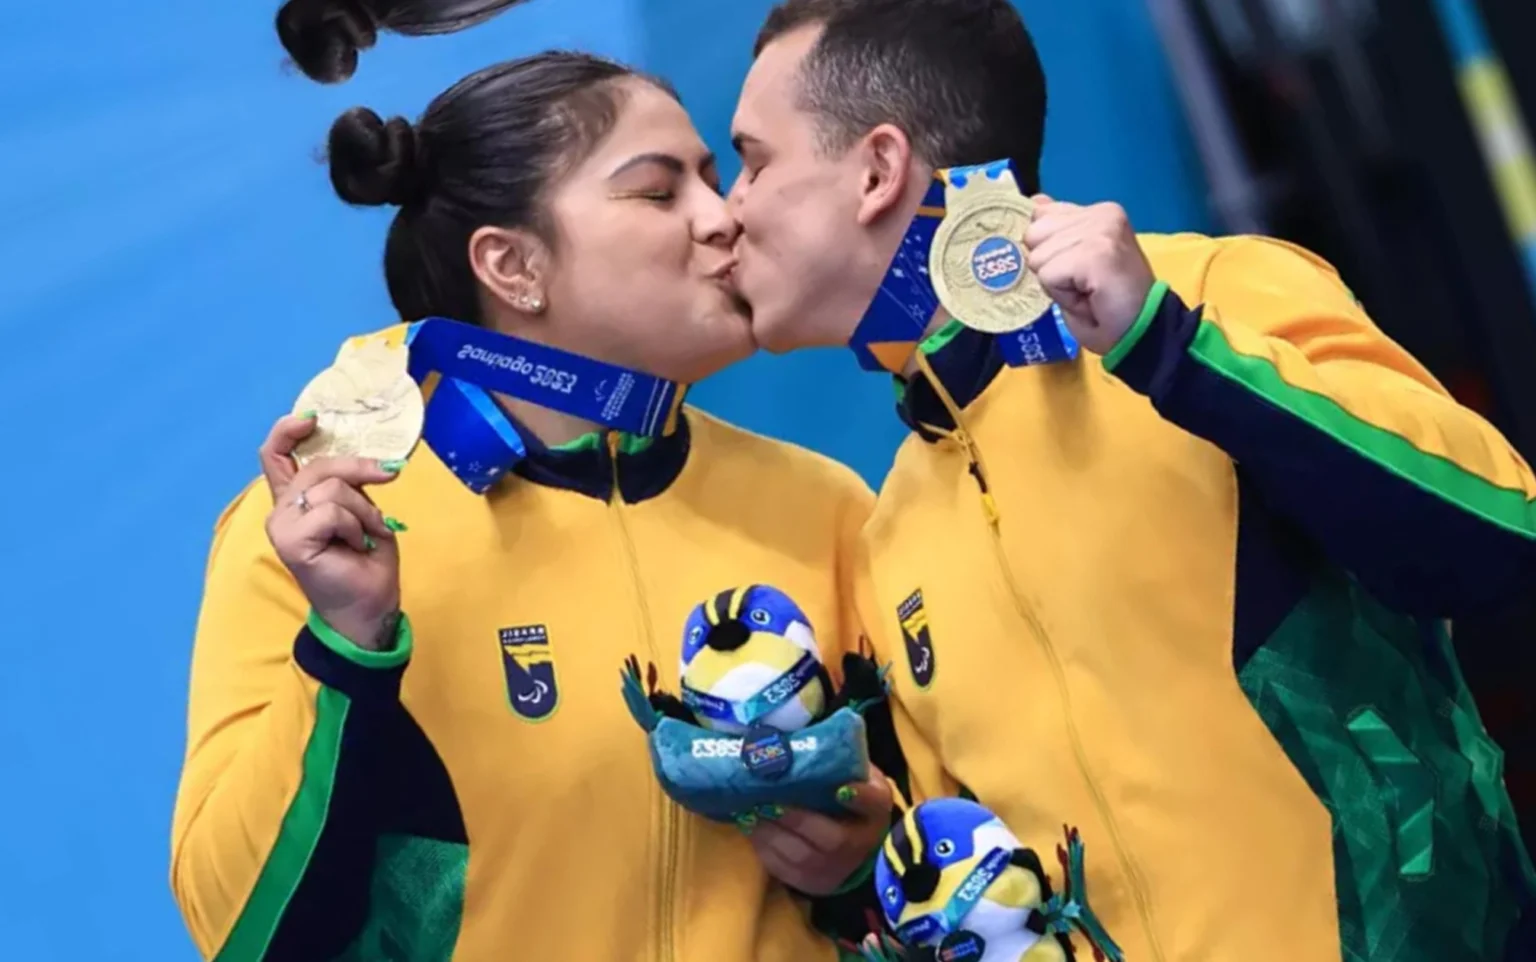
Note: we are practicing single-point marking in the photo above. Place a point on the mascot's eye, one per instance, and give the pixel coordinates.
(944, 848)
(696, 633)
(760, 616)
(891, 895)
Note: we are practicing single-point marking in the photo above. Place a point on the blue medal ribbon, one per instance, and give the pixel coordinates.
(1045, 341)
(459, 365)
(892, 326)
(905, 302)
(921, 930)
(747, 713)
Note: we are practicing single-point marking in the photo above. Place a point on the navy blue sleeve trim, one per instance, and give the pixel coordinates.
(1409, 548)
(389, 780)
(851, 915)
(848, 917)
(361, 683)
(1151, 366)
(1276, 567)
(330, 904)
(856, 913)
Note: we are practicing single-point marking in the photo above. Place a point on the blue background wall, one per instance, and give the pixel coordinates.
(174, 266)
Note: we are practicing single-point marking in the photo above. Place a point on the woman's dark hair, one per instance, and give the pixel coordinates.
(323, 37)
(483, 153)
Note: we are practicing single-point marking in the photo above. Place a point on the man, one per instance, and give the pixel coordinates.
(1186, 593)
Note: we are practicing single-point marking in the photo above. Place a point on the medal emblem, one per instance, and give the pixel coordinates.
(977, 263)
(366, 404)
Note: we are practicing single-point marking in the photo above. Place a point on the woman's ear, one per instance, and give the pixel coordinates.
(511, 263)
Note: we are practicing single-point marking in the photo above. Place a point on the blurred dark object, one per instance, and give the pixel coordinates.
(1338, 124)
(1522, 943)
(1513, 26)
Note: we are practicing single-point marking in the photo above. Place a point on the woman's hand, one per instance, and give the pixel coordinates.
(816, 854)
(331, 536)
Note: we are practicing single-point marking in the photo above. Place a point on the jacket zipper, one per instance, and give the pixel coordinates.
(989, 508)
(669, 826)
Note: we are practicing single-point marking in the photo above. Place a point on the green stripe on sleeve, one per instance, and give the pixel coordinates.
(1508, 509)
(938, 340)
(393, 658)
(860, 875)
(1138, 328)
(296, 840)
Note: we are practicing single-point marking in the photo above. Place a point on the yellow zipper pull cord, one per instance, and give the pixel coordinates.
(989, 507)
(665, 949)
(963, 438)
(1026, 610)
(613, 440)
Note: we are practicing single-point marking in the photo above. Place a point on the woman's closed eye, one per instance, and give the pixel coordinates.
(660, 196)
(650, 176)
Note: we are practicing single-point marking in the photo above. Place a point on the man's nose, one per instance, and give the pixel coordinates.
(738, 194)
(717, 225)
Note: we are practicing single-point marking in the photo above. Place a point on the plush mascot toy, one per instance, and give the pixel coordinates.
(750, 659)
(758, 724)
(956, 884)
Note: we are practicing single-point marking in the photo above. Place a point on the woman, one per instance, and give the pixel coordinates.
(412, 745)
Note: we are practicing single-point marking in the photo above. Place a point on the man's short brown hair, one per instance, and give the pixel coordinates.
(961, 78)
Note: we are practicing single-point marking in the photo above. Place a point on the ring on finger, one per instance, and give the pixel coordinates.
(301, 501)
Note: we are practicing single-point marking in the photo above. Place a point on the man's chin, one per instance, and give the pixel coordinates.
(780, 333)
(770, 337)
(777, 331)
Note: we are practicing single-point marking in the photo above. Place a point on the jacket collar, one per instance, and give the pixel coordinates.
(966, 362)
(645, 466)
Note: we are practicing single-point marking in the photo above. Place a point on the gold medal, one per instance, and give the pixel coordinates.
(366, 405)
(977, 259)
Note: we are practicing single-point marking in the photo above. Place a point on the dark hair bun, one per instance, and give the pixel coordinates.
(323, 36)
(373, 162)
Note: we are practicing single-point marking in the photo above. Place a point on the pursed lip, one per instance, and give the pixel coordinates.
(723, 271)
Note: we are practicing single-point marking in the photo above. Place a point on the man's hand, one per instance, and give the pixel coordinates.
(1089, 262)
(816, 854)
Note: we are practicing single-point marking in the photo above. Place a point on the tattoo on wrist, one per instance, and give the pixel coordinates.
(389, 633)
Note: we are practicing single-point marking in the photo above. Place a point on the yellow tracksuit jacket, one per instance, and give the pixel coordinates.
(481, 793)
(1189, 598)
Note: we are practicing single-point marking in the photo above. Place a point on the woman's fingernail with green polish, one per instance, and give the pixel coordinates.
(309, 415)
(368, 543)
(847, 794)
(395, 525)
(771, 812)
(393, 467)
(746, 823)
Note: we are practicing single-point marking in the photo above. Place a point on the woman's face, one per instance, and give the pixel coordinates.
(643, 252)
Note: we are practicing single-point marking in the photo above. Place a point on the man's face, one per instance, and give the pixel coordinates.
(808, 264)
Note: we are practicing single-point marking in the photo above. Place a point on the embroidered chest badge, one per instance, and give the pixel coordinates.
(915, 632)
(529, 666)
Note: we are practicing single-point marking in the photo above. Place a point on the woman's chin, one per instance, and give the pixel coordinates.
(726, 353)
